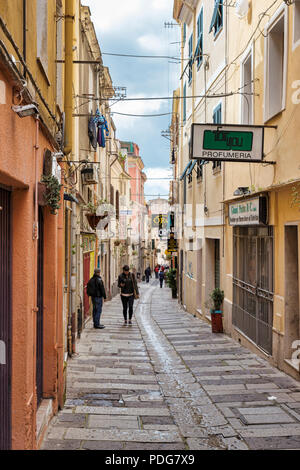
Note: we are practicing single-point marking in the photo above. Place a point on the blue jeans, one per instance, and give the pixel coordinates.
(97, 309)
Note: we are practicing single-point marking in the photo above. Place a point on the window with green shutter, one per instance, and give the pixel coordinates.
(199, 47)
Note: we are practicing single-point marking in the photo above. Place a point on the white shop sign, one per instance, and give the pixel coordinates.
(249, 212)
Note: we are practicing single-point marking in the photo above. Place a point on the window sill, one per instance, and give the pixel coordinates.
(276, 115)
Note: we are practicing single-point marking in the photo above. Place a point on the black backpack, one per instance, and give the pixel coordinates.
(91, 288)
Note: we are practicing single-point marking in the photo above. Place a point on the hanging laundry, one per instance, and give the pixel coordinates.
(101, 123)
(92, 132)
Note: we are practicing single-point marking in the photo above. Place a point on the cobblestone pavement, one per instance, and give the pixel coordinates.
(168, 383)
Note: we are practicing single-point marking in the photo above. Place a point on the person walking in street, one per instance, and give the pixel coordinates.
(156, 270)
(147, 273)
(161, 277)
(129, 291)
(96, 290)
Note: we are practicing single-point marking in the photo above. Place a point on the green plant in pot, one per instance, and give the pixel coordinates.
(216, 300)
(172, 281)
(52, 193)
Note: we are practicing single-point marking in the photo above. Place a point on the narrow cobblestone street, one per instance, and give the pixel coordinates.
(168, 383)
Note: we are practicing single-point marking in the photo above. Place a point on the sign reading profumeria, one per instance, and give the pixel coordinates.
(230, 142)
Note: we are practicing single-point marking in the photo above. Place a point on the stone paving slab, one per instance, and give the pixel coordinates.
(168, 383)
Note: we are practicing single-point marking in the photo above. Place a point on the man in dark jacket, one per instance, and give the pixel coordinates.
(128, 285)
(96, 290)
(161, 277)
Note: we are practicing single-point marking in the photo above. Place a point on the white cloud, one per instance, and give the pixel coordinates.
(152, 43)
(156, 187)
(117, 14)
(135, 107)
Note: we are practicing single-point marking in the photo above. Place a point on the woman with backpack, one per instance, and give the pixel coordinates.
(129, 291)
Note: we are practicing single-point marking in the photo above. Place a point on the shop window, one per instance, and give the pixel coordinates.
(253, 294)
(276, 66)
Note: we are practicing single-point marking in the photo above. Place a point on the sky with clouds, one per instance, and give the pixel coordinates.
(137, 27)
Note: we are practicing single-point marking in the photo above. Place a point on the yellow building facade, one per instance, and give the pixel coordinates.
(239, 221)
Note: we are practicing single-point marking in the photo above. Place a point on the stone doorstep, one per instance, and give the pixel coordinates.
(43, 417)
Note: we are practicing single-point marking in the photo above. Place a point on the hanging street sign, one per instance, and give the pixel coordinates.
(228, 142)
(172, 243)
(249, 212)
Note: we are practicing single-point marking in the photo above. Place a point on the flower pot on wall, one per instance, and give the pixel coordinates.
(216, 321)
(93, 220)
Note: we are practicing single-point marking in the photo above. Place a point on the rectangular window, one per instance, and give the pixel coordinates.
(296, 38)
(247, 88)
(199, 48)
(184, 103)
(199, 170)
(217, 119)
(190, 59)
(275, 66)
(42, 33)
(217, 18)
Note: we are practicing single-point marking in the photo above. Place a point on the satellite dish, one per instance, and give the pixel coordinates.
(242, 7)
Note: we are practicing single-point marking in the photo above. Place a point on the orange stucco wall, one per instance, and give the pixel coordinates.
(17, 163)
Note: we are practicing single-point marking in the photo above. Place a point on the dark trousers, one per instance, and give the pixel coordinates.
(97, 309)
(127, 303)
(147, 278)
(161, 280)
(156, 275)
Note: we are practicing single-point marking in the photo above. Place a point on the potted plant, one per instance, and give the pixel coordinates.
(51, 195)
(172, 282)
(216, 297)
(91, 209)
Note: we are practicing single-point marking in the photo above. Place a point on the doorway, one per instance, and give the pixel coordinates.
(5, 319)
(292, 316)
(40, 312)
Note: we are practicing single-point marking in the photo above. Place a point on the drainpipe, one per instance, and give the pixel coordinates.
(69, 53)
(24, 34)
(68, 145)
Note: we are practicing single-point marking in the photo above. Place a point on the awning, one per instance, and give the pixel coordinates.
(215, 15)
(191, 167)
(185, 170)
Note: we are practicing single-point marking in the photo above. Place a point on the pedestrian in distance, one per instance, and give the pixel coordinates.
(161, 277)
(96, 290)
(156, 270)
(147, 273)
(129, 291)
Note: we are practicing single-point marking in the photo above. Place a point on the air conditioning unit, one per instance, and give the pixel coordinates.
(90, 174)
